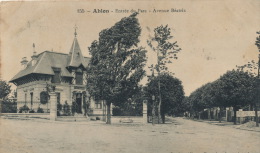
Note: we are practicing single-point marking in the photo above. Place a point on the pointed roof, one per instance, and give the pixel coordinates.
(75, 55)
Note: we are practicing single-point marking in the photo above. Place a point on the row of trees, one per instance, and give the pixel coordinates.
(235, 89)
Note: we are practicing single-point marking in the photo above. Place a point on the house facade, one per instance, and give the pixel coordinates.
(65, 71)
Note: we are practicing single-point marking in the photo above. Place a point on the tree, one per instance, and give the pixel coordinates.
(237, 89)
(171, 92)
(5, 89)
(133, 106)
(185, 106)
(199, 101)
(165, 50)
(117, 62)
(250, 67)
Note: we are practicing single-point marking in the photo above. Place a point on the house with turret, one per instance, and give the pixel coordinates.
(67, 72)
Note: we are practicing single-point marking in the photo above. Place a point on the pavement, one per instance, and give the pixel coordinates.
(249, 126)
(177, 136)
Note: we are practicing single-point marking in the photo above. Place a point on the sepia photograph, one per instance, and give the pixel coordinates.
(131, 76)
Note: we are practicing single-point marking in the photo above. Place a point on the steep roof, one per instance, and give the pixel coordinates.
(46, 61)
(75, 55)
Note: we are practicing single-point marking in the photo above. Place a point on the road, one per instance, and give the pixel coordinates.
(181, 136)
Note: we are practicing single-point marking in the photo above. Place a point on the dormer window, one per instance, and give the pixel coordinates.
(57, 77)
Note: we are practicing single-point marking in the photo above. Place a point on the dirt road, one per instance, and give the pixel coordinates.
(182, 136)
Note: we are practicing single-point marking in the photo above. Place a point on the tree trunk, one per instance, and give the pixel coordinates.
(235, 115)
(217, 113)
(160, 102)
(220, 114)
(163, 118)
(108, 113)
(213, 114)
(153, 113)
(209, 115)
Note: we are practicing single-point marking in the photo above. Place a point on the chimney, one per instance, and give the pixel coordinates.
(34, 56)
(24, 62)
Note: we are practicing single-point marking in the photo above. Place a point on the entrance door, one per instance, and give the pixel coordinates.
(78, 101)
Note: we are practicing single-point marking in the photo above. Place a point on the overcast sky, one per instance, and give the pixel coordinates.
(215, 36)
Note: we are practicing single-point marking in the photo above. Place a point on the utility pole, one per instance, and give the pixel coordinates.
(258, 89)
(257, 43)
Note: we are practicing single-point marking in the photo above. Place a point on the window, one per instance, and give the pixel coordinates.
(79, 78)
(56, 78)
(25, 98)
(98, 105)
(31, 98)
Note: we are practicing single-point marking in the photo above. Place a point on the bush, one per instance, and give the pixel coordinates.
(31, 111)
(97, 118)
(74, 107)
(40, 110)
(66, 109)
(8, 107)
(24, 108)
(59, 107)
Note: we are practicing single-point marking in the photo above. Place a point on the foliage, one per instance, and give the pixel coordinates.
(257, 42)
(24, 108)
(171, 91)
(116, 64)
(132, 106)
(74, 108)
(59, 106)
(31, 111)
(66, 109)
(234, 89)
(5, 89)
(237, 88)
(250, 67)
(8, 106)
(44, 97)
(166, 51)
(40, 110)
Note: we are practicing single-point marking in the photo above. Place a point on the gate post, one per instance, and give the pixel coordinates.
(145, 111)
(53, 110)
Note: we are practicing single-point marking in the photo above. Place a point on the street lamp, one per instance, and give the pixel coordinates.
(153, 110)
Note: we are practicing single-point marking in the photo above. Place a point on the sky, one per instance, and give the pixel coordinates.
(215, 36)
